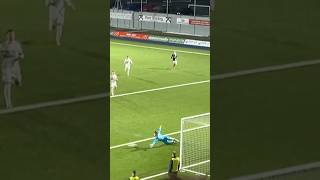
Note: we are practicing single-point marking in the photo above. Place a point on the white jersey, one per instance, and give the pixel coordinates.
(128, 62)
(58, 4)
(113, 79)
(11, 50)
(10, 53)
(57, 10)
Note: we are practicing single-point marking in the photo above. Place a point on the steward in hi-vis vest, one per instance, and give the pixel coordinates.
(174, 164)
(134, 176)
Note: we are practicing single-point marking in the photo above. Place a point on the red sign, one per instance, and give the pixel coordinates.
(199, 22)
(125, 34)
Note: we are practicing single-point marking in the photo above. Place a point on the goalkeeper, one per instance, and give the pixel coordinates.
(163, 138)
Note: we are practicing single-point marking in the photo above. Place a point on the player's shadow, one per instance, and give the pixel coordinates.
(159, 69)
(138, 148)
(86, 52)
(192, 73)
(27, 42)
(147, 81)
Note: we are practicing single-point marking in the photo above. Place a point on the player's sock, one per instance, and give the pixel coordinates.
(7, 95)
(112, 92)
(59, 35)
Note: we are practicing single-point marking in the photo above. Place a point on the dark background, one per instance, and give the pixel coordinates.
(265, 121)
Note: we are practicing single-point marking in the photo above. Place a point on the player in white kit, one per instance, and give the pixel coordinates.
(174, 59)
(113, 80)
(11, 53)
(127, 65)
(56, 16)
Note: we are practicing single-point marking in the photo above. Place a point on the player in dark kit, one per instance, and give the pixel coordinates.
(174, 59)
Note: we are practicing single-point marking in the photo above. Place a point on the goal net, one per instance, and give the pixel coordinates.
(195, 144)
(303, 172)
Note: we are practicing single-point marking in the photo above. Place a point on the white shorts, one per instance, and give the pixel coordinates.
(16, 72)
(127, 67)
(7, 70)
(56, 16)
(114, 85)
(175, 62)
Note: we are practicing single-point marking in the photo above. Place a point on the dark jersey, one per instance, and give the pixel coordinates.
(174, 57)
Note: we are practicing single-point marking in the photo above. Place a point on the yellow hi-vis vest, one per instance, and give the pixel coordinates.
(175, 164)
(134, 178)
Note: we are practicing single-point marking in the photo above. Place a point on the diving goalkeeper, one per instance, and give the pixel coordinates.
(163, 138)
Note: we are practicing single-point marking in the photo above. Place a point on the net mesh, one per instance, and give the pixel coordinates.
(195, 144)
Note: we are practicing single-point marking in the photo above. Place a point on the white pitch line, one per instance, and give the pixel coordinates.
(161, 174)
(157, 175)
(163, 49)
(216, 77)
(148, 139)
(266, 69)
(53, 103)
(159, 89)
(88, 98)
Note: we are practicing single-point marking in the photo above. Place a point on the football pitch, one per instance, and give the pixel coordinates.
(65, 141)
(153, 95)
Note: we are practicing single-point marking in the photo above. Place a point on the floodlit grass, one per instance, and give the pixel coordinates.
(135, 117)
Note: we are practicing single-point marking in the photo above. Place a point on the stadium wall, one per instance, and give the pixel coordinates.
(175, 41)
(178, 24)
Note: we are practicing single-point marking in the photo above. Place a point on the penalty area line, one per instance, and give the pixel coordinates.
(215, 77)
(182, 169)
(88, 98)
(159, 89)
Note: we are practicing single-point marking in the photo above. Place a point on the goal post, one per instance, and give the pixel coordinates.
(195, 144)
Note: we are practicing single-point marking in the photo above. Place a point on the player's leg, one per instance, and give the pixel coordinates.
(168, 140)
(50, 19)
(59, 34)
(112, 92)
(113, 87)
(16, 73)
(128, 71)
(60, 23)
(174, 64)
(7, 82)
(53, 16)
(7, 94)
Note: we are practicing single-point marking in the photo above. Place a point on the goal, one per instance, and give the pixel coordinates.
(195, 144)
(302, 172)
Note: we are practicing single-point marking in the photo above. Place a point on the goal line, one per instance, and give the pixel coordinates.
(194, 172)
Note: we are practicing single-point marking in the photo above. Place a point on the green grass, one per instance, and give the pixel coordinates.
(50, 72)
(55, 143)
(265, 121)
(64, 142)
(135, 117)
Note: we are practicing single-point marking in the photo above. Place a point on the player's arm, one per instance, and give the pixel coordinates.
(155, 140)
(20, 51)
(159, 130)
(70, 4)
